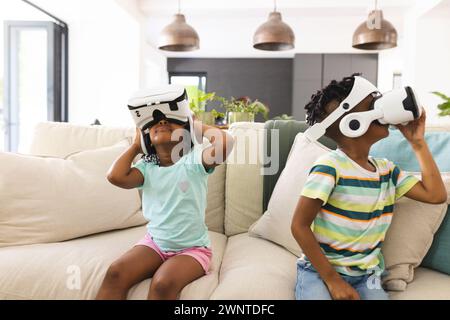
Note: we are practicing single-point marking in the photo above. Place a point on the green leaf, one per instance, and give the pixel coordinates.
(441, 95)
(445, 113)
(444, 106)
(216, 114)
(199, 99)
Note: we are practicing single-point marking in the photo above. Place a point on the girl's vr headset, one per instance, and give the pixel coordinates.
(394, 107)
(150, 106)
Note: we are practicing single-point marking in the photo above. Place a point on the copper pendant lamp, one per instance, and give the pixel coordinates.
(274, 35)
(179, 36)
(376, 33)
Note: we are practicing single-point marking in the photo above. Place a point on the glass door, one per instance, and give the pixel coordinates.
(33, 79)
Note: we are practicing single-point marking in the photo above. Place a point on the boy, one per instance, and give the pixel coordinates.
(349, 197)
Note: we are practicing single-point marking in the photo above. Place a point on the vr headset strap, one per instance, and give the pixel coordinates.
(361, 89)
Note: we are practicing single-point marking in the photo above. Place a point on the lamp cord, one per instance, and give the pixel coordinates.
(179, 6)
(275, 5)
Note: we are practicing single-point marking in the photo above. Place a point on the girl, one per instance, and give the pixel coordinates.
(176, 249)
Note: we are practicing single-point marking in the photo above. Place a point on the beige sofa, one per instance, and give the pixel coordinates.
(244, 267)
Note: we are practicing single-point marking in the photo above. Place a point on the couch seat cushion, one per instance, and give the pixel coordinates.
(427, 285)
(47, 271)
(254, 268)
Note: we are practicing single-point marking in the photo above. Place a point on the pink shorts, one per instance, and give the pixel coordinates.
(201, 254)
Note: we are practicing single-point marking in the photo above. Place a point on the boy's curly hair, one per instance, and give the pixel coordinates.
(335, 91)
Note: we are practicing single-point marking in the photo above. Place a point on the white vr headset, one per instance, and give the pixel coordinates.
(394, 107)
(150, 106)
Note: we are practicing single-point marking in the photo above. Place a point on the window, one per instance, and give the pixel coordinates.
(191, 81)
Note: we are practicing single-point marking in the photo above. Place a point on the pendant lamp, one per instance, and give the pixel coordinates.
(274, 35)
(376, 33)
(179, 36)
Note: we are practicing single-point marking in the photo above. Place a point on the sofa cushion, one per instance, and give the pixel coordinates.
(408, 240)
(60, 140)
(275, 225)
(215, 209)
(438, 257)
(284, 131)
(244, 180)
(397, 149)
(50, 271)
(51, 199)
(427, 285)
(256, 269)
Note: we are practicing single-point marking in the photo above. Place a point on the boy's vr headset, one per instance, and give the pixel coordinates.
(150, 106)
(395, 107)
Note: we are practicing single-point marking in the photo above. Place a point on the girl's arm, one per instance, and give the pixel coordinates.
(222, 144)
(121, 174)
(431, 189)
(305, 213)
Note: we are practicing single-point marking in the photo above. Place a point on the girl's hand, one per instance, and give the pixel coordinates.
(340, 290)
(198, 127)
(137, 141)
(414, 131)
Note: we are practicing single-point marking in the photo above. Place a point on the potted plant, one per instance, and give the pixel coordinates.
(243, 109)
(219, 117)
(197, 104)
(445, 106)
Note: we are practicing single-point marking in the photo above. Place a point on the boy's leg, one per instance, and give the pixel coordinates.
(309, 284)
(136, 265)
(369, 288)
(173, 276)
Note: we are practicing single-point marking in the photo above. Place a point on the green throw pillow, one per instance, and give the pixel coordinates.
(438, 258)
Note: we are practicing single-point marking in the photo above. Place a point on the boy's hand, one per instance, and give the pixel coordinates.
(137, 141)
(340, 290)
(414, 131)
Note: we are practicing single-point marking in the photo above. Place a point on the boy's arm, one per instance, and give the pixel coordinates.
(222, 144)
(431, 189)
(305, 213)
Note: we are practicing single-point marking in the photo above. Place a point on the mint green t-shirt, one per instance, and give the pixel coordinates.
(174, 202)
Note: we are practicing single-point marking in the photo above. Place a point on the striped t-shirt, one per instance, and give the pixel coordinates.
(357, 210)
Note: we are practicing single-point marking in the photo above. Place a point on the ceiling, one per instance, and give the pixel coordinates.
(440, 11)
(295, 7)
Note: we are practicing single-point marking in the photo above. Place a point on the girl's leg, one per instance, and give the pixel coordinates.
(173, 276)
(136, 265)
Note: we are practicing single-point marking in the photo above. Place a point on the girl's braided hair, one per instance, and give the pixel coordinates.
(335, 91)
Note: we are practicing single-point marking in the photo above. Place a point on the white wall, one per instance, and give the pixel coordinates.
(433, 64)
(422, 56)
(389, 62)
(153, 64)
(104, 59)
